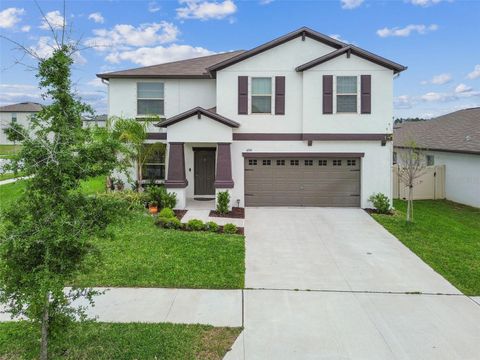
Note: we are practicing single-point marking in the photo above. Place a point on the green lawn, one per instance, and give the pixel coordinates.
(7, 151)
(6, 176)
(142, 254)
(90, 340)
(446, 235)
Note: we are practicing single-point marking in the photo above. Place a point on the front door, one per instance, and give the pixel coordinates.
(204, 168)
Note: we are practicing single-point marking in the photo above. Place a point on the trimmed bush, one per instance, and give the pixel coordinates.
(230, 228)
(381, 203)
(195, 225)
(223, 200)
(169, 223)
(166, 213)
(211, 226)
(132, 199)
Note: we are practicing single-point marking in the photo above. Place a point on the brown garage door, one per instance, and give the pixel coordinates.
(302, 181)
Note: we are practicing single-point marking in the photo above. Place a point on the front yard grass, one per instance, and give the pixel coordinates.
(445, 235)
(144, 255)
(95, 340)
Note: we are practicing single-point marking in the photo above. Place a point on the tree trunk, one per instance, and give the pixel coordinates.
(44, 339)
(409, 203)
(139, 175)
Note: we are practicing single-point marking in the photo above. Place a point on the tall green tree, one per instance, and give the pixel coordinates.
(14, 132)
(46, 238)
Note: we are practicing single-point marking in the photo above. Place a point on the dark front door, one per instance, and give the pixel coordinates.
(204, 168)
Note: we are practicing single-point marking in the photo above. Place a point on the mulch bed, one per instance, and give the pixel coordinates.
(180, 213)
(374, 211)
(236, 213)
(240, 230)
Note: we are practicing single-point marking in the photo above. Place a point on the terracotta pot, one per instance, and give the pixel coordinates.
(153, 209)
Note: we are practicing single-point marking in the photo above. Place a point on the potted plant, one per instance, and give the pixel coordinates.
(153, 207)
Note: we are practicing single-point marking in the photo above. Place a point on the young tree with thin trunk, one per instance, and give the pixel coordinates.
(46, 236)
(411, 168)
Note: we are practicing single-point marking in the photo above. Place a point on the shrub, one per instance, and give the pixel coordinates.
(169, 223)
(155, 193)
(381, 203)
(223, 200)
(166, 213)
(211, 226)
(195, 225)
(169, 200)
(230, 228)
(132, 199)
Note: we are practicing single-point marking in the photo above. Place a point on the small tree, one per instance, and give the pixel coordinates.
(411, 168)
(15, 132)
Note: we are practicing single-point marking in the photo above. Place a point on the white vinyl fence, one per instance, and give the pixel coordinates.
(429, 186)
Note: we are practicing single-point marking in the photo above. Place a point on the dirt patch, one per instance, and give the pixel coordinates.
(236, 213)
(216, 342)
(374, 211)
(180, 213)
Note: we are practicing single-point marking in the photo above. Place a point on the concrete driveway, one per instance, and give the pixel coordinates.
(333, 284)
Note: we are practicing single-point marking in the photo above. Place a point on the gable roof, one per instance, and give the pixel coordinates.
(455, 132)
(195, 68)
(303, 31)
(22, 107)
(351, 49)
(198, 111)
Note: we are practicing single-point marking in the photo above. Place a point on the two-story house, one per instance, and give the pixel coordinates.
(16, 113)
(303, 120)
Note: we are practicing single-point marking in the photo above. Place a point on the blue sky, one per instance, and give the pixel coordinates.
(437, 39)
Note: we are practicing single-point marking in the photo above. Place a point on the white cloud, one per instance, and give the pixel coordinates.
(462, 88)
(10, 17)
(265, 2)
(339, 38)
(153, 7)
(146, 56)
(14, 93)
(96, 82)
(205, 10)
(403, 102)
(425, 3)
(97, 17)
(45, 47)
(439, 79)
(351, 4)
(475, 73)
(54, 18)
(407, 30)
(25, 28)
(445, 97)
(123, 36)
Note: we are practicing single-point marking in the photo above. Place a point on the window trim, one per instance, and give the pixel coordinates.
(14, 118)
(357, 94)
(164, 163)
(146, 116)
(270, 95)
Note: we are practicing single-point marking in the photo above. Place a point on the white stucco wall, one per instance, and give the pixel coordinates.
(197, 130)
(375, 165)
(5, 121)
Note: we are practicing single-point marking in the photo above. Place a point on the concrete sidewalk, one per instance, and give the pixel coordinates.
(156, 305)
(9, 181)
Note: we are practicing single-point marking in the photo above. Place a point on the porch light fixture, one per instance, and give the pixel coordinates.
(238, 202)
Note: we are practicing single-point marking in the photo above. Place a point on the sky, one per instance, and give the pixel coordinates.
(437, 39)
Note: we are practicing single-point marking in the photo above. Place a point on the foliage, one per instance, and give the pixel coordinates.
(47, 235)
(169, 223)
(223, 200)
(403, 120)
(381, 203)
(126, 199)
(195, 225)
(161, 196)
(167, 213)
(411, 169)
(105, 341)
(15, 132)
(230, 228)
(212, 226)
(169, 200)
(445, 235)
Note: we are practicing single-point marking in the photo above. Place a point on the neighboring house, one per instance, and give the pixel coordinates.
(17, 113)
(95, 120)
(452, 140)
(303, 120)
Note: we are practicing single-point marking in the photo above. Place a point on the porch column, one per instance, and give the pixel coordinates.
(223, 178)
(176, 166)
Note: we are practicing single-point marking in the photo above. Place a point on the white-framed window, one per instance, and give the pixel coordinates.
(394, 157)
(261, 95)
(14, 117)
(347, 94)
(150, 98)
(154, 166)
(430, 160)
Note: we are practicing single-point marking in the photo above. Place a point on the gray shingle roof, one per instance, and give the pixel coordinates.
(455, 132)
(22, 107)
(190, 68)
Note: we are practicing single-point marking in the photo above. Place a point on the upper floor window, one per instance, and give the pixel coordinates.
(14, 117)
(346, 94)
(150, 98)
(430, 160)
(261, 95)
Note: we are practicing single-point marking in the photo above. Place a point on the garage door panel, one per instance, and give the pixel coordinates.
(302, 182)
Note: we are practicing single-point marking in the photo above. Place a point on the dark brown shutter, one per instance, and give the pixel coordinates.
(328, 94)
(366, 94)
(279, 95)
(243, 95)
